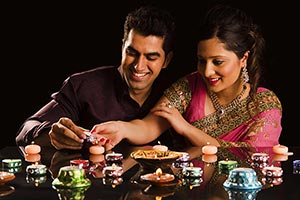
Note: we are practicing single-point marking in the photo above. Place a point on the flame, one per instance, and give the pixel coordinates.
(158, 172)
(191, 164)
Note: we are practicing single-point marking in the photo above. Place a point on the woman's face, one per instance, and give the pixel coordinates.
(219, 67)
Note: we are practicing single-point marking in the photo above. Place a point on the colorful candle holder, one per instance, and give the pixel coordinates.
(225, 166)
(113, 181)
(271, 181)
(242, 194)
(113, 158)
(36, 180)
(112, 171)
(260, 157)
(192, 182)
(36, 170)
(82, 164)
(242, 178)
(11, 163)
(192, 172)
(296, 167)
(71, 177)
(271, 171)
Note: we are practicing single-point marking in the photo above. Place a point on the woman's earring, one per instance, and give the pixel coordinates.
(245, 76)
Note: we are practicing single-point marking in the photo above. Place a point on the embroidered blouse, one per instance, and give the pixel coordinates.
(256, 122)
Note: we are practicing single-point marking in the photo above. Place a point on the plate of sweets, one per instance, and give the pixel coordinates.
(153, 159)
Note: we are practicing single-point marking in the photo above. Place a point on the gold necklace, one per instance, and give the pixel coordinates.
(221, 109)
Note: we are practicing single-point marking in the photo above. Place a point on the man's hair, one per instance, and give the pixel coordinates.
(151, 20)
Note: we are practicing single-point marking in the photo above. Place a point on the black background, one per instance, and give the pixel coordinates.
(44, 42)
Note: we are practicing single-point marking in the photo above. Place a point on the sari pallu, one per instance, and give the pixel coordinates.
(255, 122)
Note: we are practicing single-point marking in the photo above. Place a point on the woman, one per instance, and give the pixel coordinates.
(221, 103)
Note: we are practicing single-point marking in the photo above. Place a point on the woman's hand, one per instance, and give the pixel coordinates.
(111, 131)
(172, 115)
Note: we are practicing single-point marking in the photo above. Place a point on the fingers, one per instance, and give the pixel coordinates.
(63, 138)
(69, 124)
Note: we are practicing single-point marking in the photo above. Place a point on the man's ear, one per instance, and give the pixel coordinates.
(168, 59)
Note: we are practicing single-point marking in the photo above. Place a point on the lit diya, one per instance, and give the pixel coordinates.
(6, 176)
(158, 177)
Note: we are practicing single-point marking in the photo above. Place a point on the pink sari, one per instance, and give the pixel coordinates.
(257, 122)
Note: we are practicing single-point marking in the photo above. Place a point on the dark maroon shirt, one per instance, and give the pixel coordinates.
(89, 98)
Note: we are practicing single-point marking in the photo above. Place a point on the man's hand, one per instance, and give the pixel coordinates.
(64, 134)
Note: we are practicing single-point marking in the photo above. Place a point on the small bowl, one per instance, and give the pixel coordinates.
(242, 178)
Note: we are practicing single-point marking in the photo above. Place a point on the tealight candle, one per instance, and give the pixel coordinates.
(32, 149)
(96, 149)
(280, 149)
(209, 149)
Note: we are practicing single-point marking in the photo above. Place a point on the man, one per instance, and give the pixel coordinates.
(108, 93)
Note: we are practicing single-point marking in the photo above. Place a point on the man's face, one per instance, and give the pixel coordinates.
(142, 60)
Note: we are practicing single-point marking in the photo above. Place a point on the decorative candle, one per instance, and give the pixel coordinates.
(209, 149)
(32, 148)
(280, 157)
(6, 176)
(225, 166)
(113, 157)
(272, 180)
(158, 177)
(192, 171)
(96, 149)
(280, 149)
(160, 147)
(113, 181)
(208, 158)
(71, 177)
(11, 163)
(272, 171)
(94, 158)
(296, 167)
(82, 164)
(33, 158)
(260, 157)
(36, 170)
(112, 171)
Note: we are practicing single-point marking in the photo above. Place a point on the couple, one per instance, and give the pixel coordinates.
(221, 103)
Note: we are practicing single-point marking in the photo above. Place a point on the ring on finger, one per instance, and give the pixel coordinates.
(168, 105)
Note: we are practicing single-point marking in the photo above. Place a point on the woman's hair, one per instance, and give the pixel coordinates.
(239, 34)
(151, 20)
